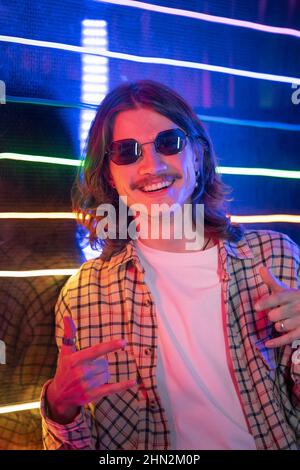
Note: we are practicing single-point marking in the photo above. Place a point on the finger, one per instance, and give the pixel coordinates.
(285, 297)
(287, 324)
(285, 311)
(277, 314)
(110, 389)
(271, 280)
(100, 349)
(69, 335)
(283, 340)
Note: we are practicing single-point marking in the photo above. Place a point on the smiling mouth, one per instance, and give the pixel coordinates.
(157, 187)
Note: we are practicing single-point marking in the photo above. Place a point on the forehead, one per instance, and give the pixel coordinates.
(141, 124)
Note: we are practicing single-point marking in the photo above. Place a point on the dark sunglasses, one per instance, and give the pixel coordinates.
(127, 151)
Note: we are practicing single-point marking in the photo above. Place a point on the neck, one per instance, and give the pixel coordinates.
(180, 237)
(175, 246)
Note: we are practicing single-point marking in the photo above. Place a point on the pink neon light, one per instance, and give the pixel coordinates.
(206, 17)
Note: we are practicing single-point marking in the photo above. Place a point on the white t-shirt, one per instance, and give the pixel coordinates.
(193, 378)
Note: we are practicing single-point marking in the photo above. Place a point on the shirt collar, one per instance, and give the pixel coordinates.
(240, 250)
(127, 254)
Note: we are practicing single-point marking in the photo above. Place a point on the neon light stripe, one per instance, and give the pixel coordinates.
(153, 60)
(243, 219)
(257, 219)
(39, 158)
(39, 272)
(250, 123)
(204, 117)
(45, 102)
(70, 215)
(227, 170)
(202, 16)
(20, 407)
(37, 215)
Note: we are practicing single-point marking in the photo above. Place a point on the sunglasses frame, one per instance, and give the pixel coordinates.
(139, 146)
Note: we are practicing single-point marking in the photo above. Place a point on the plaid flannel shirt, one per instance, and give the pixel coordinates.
(109, 300)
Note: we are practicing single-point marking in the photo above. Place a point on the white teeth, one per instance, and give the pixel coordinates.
(156, 186)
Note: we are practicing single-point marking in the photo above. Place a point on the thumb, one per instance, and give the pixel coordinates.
(68, 341)
(271, 280)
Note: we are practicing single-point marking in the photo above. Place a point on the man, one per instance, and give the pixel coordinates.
(175, 348)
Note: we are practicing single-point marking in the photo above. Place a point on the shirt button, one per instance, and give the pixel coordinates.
(147, 303)
(153, 405)
(148, 351)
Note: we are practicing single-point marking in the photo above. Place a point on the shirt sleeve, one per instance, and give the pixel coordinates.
(295, 366)
(81, 433)
(76, 435)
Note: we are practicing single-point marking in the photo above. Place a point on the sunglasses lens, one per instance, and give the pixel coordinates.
(124, 152)
(170, 142)
(127, 151)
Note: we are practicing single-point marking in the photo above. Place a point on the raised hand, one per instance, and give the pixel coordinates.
(284, 309)
(81, 376)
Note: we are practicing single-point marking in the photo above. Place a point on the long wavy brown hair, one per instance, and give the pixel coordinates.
(92, 186)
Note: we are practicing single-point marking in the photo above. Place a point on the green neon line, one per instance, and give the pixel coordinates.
(45, 102)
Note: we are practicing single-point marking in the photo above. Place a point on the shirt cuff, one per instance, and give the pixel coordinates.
(75, 435)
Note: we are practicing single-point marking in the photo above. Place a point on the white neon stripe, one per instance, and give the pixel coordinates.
(253, 219)
(83, 136)
(21, 407)
(39, 158)
(88, 116)
(37, 215)
(39, 273)
(153, 60)
(94, 32)
(92, 98)
(94, 88)
(205, 17)
(227, 170)
(95, 69)
(98, 42)
(94, 78)
(71, 215)
(92, 60)
(94, 23)
(85, 126)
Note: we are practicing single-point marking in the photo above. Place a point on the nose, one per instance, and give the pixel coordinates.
(151, 161)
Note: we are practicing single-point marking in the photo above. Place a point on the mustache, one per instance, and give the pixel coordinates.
(154, 179)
